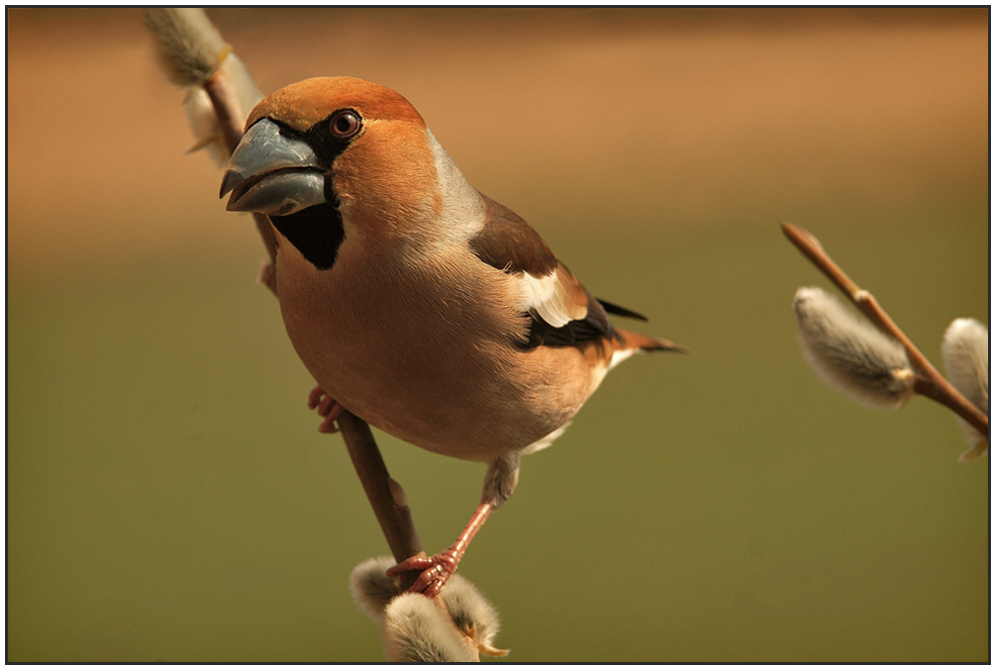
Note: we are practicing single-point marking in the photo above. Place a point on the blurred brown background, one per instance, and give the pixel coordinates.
(168, 496)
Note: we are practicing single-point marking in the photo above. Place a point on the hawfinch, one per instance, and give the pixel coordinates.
(416, 302)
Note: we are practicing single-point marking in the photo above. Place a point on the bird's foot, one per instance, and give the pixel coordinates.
(436, 571)
(327, 408)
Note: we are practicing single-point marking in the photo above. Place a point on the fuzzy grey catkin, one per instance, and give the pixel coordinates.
(416, 631)
(850, 354)
(188, 45)
(473, 614)
(372, 589)
(966, 360)
(965, 350)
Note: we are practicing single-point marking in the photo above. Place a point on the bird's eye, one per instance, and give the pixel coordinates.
(345, 123)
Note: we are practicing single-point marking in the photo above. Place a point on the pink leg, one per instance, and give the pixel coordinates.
(327, 407)
(438, 569)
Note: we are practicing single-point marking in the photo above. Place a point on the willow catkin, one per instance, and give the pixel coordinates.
(850, 354)
(965, 350)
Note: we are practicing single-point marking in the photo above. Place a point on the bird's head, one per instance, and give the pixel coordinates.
(334, 156)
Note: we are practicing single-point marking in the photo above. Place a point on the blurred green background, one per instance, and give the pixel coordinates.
(170, 499)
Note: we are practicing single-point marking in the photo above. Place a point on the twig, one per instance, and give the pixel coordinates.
(929, 382)
(386, 496)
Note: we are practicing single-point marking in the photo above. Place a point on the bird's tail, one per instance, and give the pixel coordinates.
(641, 342)
(626, 343)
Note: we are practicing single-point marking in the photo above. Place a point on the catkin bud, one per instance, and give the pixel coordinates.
(966, 360)
(473, 614)
(416, 631)
(850, 354)
(187, 44)
(372, 589)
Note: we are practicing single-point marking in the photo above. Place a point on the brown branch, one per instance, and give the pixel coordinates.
(226, 108)
(929, 381)
(386, 495)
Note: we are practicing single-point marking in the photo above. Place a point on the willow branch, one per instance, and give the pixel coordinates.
(929, 382)
(386, 496)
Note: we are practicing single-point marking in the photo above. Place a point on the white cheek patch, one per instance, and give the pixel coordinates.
(547, 297)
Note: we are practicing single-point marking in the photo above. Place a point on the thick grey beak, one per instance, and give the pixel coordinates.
(272, 173)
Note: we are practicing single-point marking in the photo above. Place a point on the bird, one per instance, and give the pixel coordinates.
(416, 302)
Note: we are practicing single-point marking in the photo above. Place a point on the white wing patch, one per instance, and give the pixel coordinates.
(547, 297)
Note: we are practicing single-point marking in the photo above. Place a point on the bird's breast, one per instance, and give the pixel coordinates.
(426, 350)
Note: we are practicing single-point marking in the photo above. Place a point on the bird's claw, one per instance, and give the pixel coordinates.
(327, 408)
(435, 571)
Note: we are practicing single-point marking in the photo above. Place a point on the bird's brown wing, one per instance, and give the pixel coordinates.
(563, 313)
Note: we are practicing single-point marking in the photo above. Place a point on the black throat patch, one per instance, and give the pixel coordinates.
(316, 232)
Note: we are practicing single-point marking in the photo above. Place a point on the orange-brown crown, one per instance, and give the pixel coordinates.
(307, 102)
